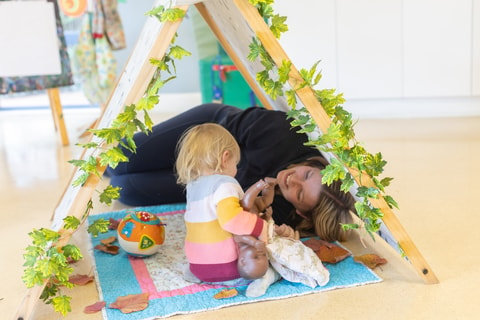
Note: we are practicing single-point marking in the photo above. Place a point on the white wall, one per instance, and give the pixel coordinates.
(391, 57)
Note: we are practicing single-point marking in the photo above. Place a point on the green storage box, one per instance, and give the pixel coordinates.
(220, 81)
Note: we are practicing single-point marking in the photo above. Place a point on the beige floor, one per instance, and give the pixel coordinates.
(435, 163)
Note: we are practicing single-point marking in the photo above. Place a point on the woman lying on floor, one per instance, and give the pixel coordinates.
(270, 147)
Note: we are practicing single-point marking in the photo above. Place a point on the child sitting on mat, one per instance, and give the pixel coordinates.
(207, 164)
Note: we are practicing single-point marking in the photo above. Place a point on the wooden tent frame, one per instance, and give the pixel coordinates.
(235, 23)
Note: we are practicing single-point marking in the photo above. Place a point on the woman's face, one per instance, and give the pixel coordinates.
(300, 186)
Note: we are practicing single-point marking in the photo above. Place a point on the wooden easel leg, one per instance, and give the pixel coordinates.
(57, 112)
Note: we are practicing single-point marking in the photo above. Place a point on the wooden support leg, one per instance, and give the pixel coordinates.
(57, 111)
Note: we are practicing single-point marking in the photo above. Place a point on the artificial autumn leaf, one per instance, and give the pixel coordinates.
(108, 240)
(315, 244)
(131, 303)
(370, 260)
(96, 307)
(113, 224)
(107, 248)
(332, 254)
(71, 260)
(80, 279)
(326, 251)
(226, 293)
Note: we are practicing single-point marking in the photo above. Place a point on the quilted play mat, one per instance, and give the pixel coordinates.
(161, 275)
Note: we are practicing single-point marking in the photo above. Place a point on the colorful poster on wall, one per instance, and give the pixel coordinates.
(73, 8)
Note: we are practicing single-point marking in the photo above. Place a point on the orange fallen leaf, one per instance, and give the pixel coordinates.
(370, 260)
(315, 244)
(96, 307)
(226, 293)
(332, 254)
(326, 251)
(80, 279)
(113, 224)
(108, 240)
(131, 303)
(107, 248)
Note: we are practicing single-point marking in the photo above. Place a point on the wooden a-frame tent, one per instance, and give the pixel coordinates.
(235, 23)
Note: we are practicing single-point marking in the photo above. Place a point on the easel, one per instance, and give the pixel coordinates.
(235, 23)
(57, 113)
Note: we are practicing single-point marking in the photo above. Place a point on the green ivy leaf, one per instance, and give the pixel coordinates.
(128, 114)
(273, 88)
(161, 64)
(178, 52)
(71, 222)
(255, 50)
(31, 277)
(349, 226)
(332, 172)
(374, 164)
(278, 25)
(172, 15)
(72, 251)
(386, 181)
(62, 304)
(112, 157)
(391, 202)
(110, 135)
(368, 192)
(43, 236)
(98, 226)
(284, 71)
(291, 98)
(148, 122)
(90, 145)
(49, 291)
(347, 183)
(80, 180)
(109, 194)
(310, 76)
(156, 12)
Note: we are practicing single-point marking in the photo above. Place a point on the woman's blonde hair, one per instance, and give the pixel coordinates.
(334, 208)
(201, 148)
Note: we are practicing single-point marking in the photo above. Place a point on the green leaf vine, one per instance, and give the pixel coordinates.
(339, 140)
(47, 258)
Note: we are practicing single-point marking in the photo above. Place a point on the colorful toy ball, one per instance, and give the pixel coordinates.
(141, 233)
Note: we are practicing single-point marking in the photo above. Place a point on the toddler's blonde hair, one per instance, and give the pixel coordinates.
(200, 149)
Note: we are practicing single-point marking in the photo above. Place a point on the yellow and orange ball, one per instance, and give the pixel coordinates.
(141, 234)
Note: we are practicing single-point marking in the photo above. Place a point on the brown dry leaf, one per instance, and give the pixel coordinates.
(96, 307)
(107, 248)
(315, 244)
(80, 279)
(370, 260)
(131, 303)
(70, 260)
(113, 224)
(226, 293)
(109, 240)
(332, 253)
